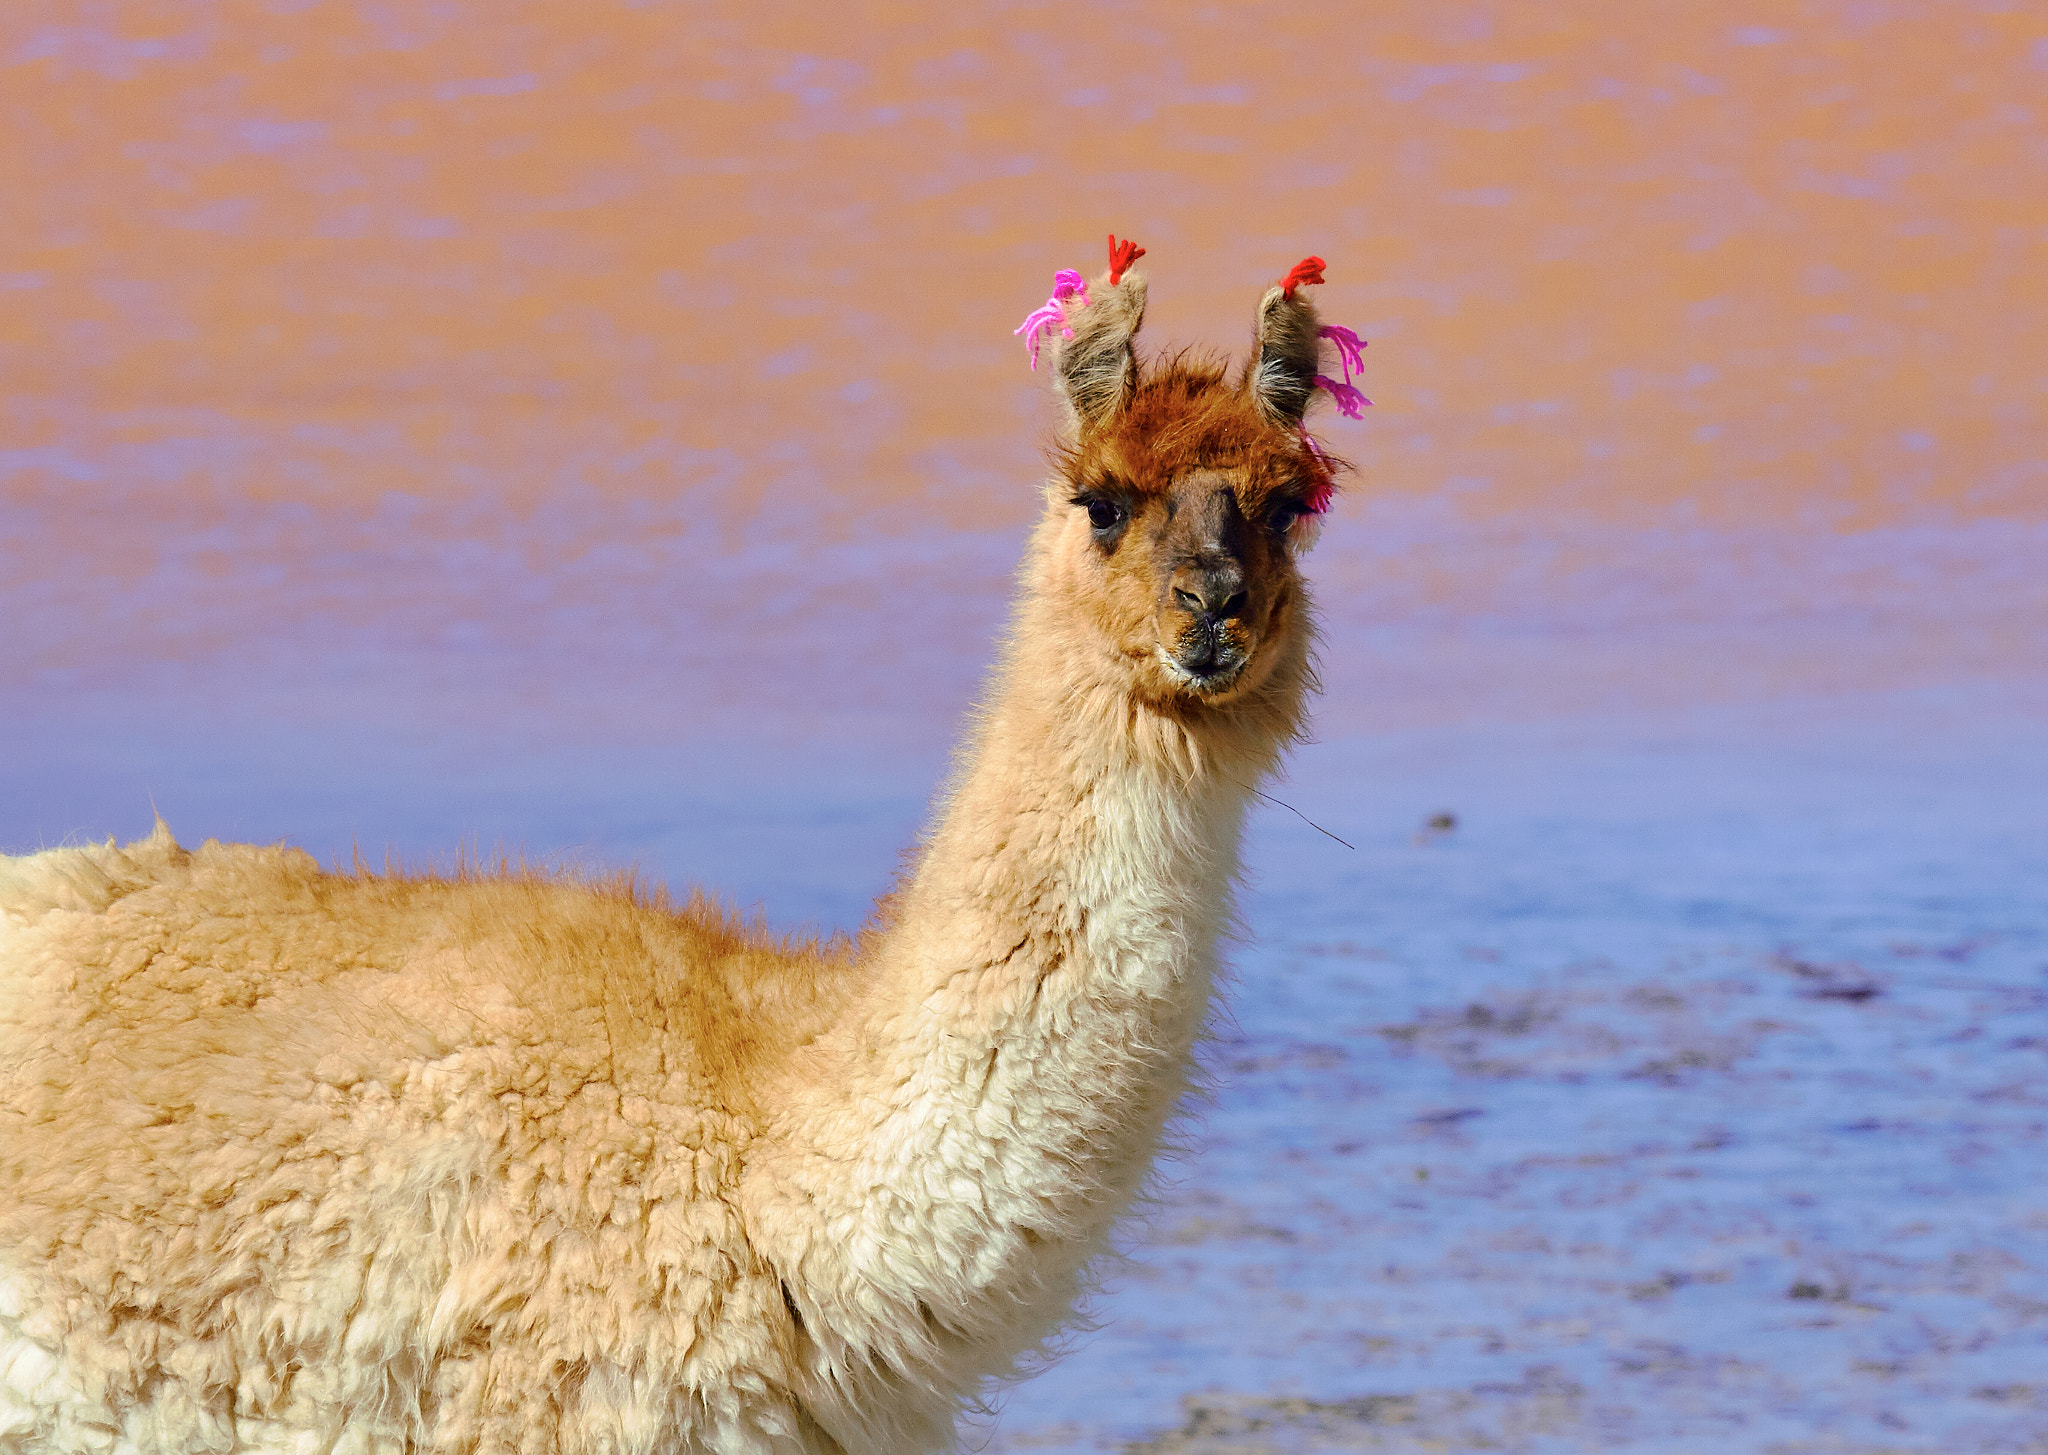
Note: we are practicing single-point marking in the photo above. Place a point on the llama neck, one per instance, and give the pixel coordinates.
(1075, 886)
(998, 1092)
(1056, 944)
(941, 1164)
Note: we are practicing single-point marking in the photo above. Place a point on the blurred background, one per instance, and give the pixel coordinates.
(595, 433)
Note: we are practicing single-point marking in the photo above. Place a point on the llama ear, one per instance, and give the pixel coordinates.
(1283, 370)
(1097, 368)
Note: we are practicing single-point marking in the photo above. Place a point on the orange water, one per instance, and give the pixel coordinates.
(1766, 260)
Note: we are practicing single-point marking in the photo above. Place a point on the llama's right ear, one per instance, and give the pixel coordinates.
(1283, 373)
(1097, 368)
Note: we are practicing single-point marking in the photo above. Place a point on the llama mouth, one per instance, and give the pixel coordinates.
(1205, 679)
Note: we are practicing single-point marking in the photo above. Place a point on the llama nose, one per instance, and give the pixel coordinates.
(1216, 592)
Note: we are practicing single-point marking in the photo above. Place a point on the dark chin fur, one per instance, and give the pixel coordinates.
(1216, 687)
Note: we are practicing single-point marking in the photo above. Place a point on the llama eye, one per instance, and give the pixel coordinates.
(1103, 514)
(1284, 516)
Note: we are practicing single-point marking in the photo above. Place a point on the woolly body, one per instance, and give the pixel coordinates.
(313, 1162)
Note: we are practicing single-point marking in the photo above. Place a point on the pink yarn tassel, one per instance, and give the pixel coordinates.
(1326, 478)
(1066, 284)
(1349, 348)
(1308, 526)
(1350, 403)
(1325, 487)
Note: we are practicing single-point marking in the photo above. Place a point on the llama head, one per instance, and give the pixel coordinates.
(1185, 493)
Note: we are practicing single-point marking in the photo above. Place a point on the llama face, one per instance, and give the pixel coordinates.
(1182, 515)
(1184, 495)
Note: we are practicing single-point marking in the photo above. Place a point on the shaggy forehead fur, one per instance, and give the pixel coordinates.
(1187, 415)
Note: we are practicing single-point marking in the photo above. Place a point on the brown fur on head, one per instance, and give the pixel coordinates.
(1182, 498)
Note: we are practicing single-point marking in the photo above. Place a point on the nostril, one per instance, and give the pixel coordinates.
(1187, 600)
(1232, 607)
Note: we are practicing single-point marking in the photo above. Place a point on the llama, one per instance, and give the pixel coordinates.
(300, 1161)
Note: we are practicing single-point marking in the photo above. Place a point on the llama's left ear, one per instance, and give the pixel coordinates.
(1283, 370)
(1097, 368)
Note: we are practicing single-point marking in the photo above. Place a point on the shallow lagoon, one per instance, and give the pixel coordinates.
(1689, 1096)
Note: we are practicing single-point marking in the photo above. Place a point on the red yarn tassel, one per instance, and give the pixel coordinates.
(1121, 256)
(1308, 270)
